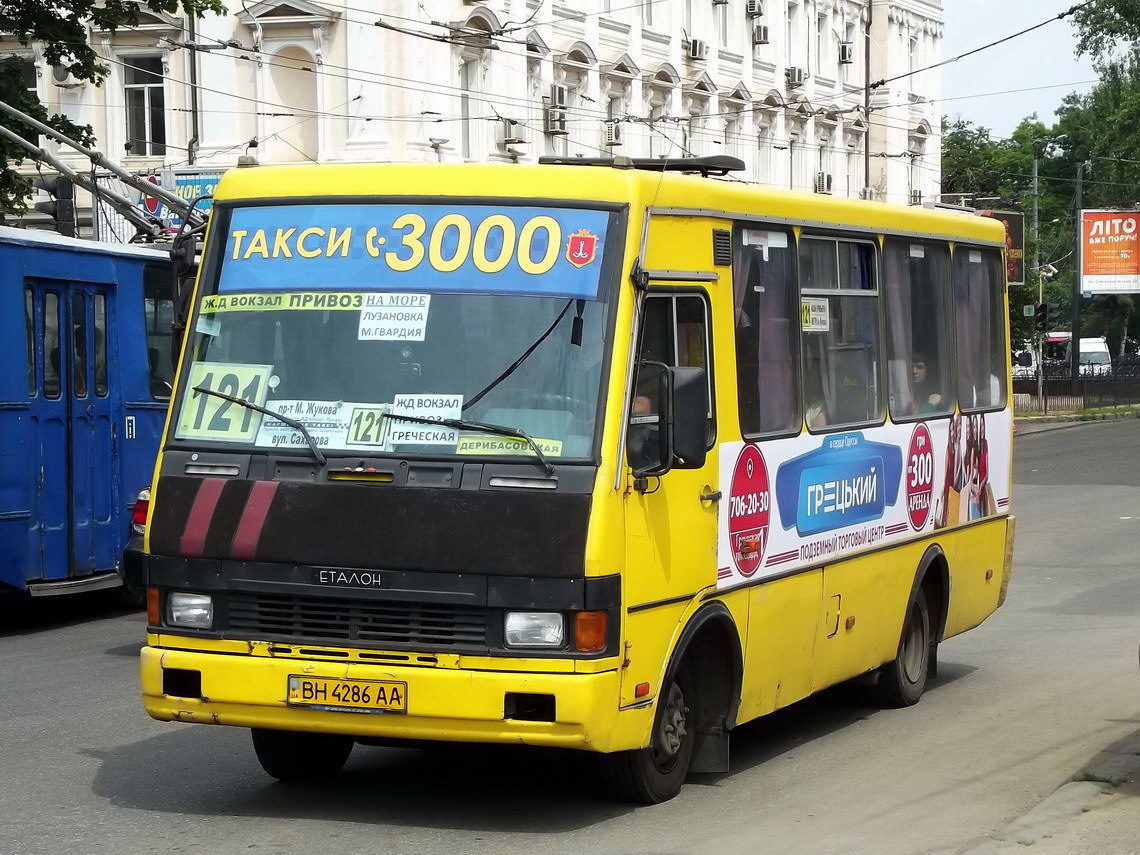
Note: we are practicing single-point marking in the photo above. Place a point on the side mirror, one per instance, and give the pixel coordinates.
(690, 417)
(1025, 359)
(668, 421)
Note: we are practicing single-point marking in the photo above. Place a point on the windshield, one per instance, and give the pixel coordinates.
(490, 315)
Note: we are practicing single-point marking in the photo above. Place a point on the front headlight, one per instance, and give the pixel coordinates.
(534, 629)
(192, 610)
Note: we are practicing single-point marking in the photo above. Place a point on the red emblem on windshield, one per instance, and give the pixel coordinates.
(582, 247)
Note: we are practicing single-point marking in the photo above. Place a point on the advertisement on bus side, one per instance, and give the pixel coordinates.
(808, 500)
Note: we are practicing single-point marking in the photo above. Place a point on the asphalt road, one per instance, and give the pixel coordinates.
(1021, 703)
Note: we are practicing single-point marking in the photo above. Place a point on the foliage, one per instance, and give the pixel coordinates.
(1106, 25)
(62, 31)
(1100, 129)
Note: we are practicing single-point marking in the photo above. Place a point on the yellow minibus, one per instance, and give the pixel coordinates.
(608, 455)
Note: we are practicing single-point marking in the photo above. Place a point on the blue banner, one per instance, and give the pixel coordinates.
(549, 252)
(846, 481)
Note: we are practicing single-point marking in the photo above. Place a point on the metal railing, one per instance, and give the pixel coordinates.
(1062, 394)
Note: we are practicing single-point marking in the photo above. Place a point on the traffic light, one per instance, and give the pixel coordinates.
(62, 207)
(1045, 316)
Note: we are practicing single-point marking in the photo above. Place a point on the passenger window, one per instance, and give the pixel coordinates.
(979, 298)
(839, 323)
(30, 335)
(766, 338)
(79, 344)
(51, 345)
(100, 312)
(674, 331)
(916, 286)
(158, 308)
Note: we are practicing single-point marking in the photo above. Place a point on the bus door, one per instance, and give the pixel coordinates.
(73, 530)
(671, 520)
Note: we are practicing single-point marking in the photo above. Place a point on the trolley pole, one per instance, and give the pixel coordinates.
(867, 99)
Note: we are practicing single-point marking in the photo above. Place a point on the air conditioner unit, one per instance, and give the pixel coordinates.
(720, 2)
(698, 50)
(613, 133)
(846, 53)
(554, 111)
(796, 76)
(916, 197)
(62, 77)
(753, 8)
(759, 34)
(823, 182)
(508, 134)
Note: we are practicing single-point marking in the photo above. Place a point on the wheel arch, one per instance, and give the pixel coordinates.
(933, 576)
(719, 678)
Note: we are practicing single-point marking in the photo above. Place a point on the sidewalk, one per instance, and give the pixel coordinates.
(1097, 812)
(1027, 424)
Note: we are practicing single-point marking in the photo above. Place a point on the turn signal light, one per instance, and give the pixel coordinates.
(152, 610)
(140, 510)
(590, 631)
(641, 690)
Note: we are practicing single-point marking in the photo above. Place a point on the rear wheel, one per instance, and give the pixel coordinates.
(291, 756)
(655, 774)
(902, 682)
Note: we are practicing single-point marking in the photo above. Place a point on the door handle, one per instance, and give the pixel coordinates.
(711, 497)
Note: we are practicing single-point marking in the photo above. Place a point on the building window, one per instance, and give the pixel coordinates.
(468, 85)
(913, 56)
(721, 13)
(764, 153)
(647, 12)
(840, 336)
(820, 43)
(790, 32)
(146, 106)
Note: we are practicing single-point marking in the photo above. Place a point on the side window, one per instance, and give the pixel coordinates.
(158, 314)
(52, 356)
(766, 341)
(100, 312)
(839, 323)
(30, 333)
(979, 302)
(916, 288)
(674, 331)
(79, 344)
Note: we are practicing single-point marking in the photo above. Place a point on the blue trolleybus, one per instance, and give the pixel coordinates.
(85, 374)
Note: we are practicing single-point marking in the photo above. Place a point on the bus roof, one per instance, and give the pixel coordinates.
(660, 191)
(51, 240)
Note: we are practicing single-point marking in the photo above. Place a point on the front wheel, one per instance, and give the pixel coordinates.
(291, 756)
(902, 682)
(655, 774)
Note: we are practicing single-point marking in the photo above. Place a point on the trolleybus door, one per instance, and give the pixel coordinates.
(94, 485)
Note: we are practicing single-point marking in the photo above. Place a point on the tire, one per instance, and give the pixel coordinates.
(902, 682)
(298, 757)
(655, 774)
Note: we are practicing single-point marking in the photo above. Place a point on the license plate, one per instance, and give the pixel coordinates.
(363, 696)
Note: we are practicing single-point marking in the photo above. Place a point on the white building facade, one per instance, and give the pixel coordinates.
(777, 83)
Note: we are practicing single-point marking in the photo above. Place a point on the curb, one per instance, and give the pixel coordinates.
(1088, 789)
(1043, 424)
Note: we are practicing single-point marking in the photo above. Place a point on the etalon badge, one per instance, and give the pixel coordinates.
(581, 247)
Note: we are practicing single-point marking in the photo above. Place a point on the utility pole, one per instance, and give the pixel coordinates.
(1075, 335)
(867, 99)
(1040, 281)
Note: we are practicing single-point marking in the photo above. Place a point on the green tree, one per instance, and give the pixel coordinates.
(1106, 25)
(62, 30)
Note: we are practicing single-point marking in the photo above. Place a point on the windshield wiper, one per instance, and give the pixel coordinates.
(466, 424)
(293, 423)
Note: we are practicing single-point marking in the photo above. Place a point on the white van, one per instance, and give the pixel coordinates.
(1095, 357)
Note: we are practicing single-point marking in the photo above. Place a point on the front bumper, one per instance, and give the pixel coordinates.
(444, 703)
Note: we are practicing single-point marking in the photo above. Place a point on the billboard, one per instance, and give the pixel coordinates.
(1014, 223)
(1110, 252)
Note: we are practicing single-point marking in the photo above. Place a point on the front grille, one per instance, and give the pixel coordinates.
(370, 621)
